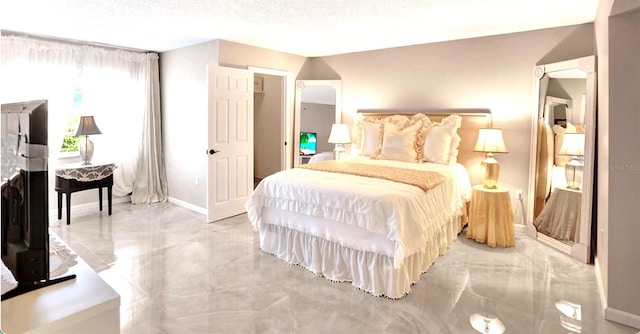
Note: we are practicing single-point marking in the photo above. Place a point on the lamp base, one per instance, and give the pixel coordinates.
(573, 173)
(339, 152)
(491, 171)
(86, 150)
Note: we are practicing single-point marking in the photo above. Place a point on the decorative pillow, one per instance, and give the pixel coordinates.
(398, 144)
(399, 121)
(441, 141)
(370, 138)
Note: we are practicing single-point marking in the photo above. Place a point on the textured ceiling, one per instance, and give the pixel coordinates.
(303, 27)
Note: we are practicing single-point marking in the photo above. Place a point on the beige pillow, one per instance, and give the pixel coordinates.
(399, 144)
(441, 141)
(370, 138)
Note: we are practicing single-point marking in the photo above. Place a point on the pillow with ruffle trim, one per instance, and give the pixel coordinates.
(399, 143)
(441, 140)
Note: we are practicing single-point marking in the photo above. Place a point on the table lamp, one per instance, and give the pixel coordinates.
(86, 127)
(339, 136)
(573, 144)
(490, 141)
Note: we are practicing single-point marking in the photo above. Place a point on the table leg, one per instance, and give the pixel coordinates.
(59, 205)
(100, 197)
(68, 208)
(109, 195)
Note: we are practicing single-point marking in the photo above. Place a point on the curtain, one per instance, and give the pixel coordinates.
(40, 70)
(118, 87)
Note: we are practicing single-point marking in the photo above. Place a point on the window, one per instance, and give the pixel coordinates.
(70, 141)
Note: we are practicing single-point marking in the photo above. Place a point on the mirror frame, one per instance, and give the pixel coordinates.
(581, 249)
(300, 85)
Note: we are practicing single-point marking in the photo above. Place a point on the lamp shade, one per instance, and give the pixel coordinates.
(490, 140)
(339, 134)
(87, 126)
(572, 144)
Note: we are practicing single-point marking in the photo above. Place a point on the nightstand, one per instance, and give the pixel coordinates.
(491, 217)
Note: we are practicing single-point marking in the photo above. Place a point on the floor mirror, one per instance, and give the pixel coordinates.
(317, 108)
(559, 209)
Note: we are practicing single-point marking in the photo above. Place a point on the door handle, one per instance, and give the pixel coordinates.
(212, 152)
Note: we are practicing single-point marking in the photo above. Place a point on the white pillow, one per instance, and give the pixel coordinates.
(441, 141)
(398, 143)
(371, 138)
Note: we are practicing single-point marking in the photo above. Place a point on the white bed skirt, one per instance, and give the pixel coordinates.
(366, 270)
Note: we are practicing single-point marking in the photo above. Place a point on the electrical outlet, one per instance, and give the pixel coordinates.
(519, 194)
(196, 180)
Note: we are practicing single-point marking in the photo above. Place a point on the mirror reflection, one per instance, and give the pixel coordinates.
(563, 161)
(316, 111)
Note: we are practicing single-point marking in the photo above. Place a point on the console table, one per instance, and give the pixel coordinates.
(77, 177)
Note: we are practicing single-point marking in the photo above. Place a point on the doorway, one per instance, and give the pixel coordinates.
(269, 122)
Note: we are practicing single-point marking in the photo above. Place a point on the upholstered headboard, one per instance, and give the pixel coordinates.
(472, 121)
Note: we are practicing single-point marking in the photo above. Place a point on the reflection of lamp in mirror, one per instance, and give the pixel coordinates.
(86, 127)
(570, 315)
(486, 324)
(490, 141)
(339, 136)
(573, 144)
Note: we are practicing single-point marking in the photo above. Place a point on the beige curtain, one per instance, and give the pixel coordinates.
(151, 178)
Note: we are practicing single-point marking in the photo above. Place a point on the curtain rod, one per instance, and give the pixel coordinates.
(72, 41)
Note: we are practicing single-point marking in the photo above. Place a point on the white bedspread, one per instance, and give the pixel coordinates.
(403, 214)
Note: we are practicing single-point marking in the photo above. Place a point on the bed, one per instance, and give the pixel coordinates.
(379, 233)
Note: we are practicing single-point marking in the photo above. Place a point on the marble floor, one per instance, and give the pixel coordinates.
(177, 274)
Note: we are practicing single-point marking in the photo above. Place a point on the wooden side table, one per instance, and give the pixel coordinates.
(77, 177)
(491, 217)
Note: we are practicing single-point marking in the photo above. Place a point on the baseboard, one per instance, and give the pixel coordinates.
(603, 295)
(90, 206)
(519, 228)
(189, 206)
(621, 317)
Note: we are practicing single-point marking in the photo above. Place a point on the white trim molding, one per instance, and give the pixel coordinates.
(189, 206)
(53, 211)
(622, 317)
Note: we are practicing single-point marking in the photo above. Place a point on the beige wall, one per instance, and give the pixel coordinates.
(267, 127)
(493, 72)
(624, 164)
(318, 118)
(602, 197)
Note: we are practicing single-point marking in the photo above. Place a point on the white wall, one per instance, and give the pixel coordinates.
(494, 72)
(183, 89)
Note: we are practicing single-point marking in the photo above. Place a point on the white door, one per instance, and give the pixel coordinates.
(230, 150)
